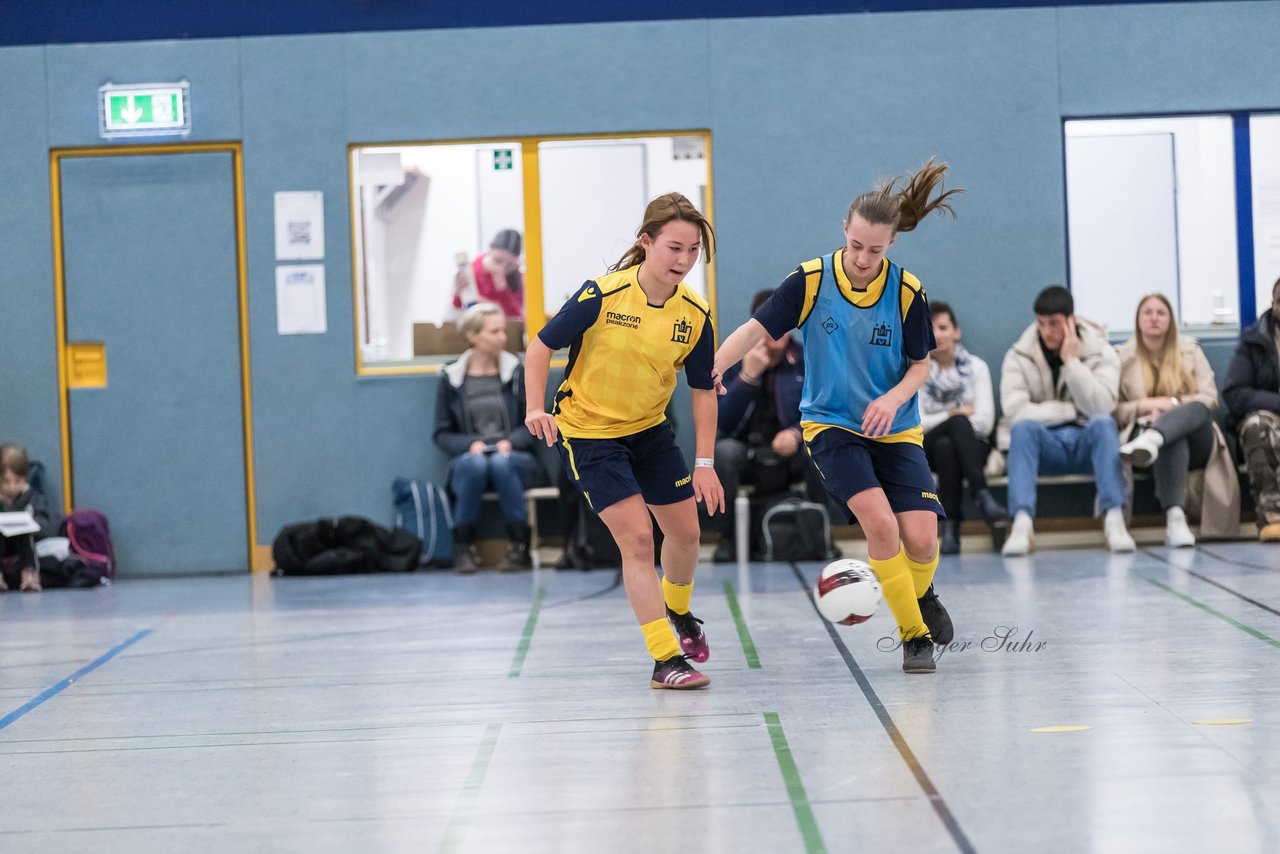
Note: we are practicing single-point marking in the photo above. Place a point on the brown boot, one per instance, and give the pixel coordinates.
(518, 557)
(466, 558)
(1269, 533)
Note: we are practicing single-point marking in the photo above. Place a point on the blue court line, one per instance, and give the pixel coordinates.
(58, 688)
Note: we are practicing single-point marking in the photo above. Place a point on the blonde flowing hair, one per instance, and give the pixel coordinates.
(1163, 373)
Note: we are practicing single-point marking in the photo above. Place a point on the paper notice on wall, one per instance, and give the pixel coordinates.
(300, 226)
(300, 306)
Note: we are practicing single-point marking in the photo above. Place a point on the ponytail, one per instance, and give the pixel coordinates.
(904, 209)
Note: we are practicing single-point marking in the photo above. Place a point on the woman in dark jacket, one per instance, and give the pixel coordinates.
(1252, 393)
(480, 423)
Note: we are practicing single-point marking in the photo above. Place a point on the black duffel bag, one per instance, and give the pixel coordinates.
(348, 544)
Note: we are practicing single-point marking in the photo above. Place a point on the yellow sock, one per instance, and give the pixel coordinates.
(677, 596)
(900, 594)
(922, 574)
(661, 640)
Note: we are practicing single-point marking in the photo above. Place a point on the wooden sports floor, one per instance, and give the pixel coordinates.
(1091, 703)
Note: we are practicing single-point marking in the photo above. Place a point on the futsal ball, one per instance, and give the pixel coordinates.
(847, 592)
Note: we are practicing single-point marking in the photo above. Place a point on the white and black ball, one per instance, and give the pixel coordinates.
(847, 592)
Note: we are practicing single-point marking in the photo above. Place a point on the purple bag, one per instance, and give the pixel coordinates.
(90, 538)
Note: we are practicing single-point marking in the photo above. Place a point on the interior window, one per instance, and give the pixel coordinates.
(441, 226)
(1151, 207)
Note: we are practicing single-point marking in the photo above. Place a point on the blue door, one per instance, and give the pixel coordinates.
(149, 246)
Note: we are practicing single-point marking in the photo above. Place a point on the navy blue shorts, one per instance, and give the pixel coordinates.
(647, 463)
(850, 464)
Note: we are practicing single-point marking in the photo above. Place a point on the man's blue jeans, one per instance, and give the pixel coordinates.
(1035, 449)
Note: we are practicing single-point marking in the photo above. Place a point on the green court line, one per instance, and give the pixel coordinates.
(813, 843)
(457, 829)
(1203, 607)
(521, 651)
(748, 648)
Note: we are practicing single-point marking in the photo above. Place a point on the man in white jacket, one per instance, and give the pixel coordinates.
(1058, 387)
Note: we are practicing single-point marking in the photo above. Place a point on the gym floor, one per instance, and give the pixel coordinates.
(1090, 703)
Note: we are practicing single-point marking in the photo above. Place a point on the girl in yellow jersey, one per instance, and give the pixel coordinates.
(629, 332)
(867, 336)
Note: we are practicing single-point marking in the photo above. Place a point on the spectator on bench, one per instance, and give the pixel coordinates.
(480, 424)
(1165, 410)
(759, 441)
(1252, 393)
(957, 413)
(1058, 388)
(19, 566)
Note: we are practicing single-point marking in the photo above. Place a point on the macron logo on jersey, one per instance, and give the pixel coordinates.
(588, 294)
(629, 321)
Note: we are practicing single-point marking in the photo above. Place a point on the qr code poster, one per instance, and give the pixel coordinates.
(300, 226)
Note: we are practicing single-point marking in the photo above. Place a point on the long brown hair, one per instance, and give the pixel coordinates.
(1163, 374)
(662, 210)
(904, 209)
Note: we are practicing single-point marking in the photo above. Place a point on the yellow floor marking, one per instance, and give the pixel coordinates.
(1071, 728)
(1223, 721)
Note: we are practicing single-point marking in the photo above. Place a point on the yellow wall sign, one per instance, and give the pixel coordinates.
(87, 364)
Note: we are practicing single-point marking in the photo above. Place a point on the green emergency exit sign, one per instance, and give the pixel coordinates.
(153, 109)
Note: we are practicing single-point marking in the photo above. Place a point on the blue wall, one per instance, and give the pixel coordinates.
(804, 113)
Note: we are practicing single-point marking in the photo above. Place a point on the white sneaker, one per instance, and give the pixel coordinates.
(1143, 449)
(1021, 534)
(1115, 532)
(1177, 534)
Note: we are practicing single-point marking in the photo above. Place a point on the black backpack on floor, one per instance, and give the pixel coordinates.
(791, 528)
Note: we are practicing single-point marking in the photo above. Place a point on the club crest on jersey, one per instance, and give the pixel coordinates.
(881, 335)
(681, 330)
(829, 325)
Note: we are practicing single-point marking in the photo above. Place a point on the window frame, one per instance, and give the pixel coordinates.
(1246, 267)
(535, 310)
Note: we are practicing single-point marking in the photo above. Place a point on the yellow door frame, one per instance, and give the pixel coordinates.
(258, 557)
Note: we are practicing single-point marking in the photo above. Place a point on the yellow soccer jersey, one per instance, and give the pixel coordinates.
(624, 354)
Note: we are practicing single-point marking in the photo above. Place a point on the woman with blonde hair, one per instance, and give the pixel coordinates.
(629, 333)
(867, 336)
(1165, 410)
(480, 424)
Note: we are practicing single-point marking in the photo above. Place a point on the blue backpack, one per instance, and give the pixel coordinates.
(422, 509)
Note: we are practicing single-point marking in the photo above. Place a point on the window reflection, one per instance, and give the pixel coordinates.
(441, 228)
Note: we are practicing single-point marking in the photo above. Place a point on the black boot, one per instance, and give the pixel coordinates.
(948, 537)
(466, 554)
(519, 534)
(994, 514)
